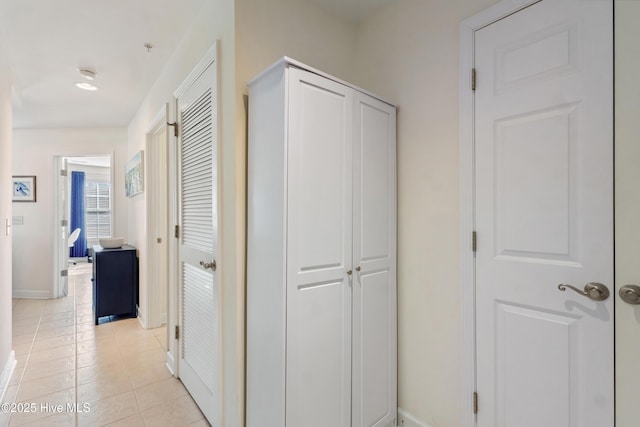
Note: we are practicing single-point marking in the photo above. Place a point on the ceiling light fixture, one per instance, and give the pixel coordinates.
(87, 74)
(86, 86)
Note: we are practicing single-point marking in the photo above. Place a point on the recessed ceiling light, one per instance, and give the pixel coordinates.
(87, 74)
(86, 86)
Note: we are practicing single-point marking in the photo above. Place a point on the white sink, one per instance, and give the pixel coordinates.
(112, 242)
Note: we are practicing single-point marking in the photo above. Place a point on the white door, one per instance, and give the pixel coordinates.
(319, 269)
(544, 216)
(374, 260)
(62, 227)
(199, 349)
(158, 226)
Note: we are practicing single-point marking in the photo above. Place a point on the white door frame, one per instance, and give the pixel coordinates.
(57, 290)
(467, 198)
(153, 312)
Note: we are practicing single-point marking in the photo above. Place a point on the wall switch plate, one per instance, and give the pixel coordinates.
(7, 225)
(18, 220)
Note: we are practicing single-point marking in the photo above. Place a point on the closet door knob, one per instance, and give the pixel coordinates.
(349, 273)
(209, 265)
(358, 268)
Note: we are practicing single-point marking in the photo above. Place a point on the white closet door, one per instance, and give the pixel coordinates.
(199, 363)
(319, 252)
(374, 261)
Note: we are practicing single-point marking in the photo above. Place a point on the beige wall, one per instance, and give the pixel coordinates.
(409, 53)
(265, 32)
(5, 213)
(33, 154)
(627, 205)
(214, 22)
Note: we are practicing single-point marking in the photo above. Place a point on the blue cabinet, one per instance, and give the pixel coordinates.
(115, 281)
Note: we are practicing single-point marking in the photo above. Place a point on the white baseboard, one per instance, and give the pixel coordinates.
(405, 419)
(26, 294)
(171, 363)
(141, 317)
(5, 376)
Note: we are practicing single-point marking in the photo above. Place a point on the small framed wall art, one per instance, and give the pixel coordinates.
(134, 175)
(24, 188)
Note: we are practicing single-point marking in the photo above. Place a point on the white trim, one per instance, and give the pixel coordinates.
(208, 59)
(141, 317)
(467, 201)
(7, 372)
(286, 61)
(405, 419)
(28, 294)
(171, 363)
(161, 117)
(155, 313)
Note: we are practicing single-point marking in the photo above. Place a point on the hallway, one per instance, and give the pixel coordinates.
(115, 371)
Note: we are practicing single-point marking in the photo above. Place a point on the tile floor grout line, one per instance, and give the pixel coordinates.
(75, 344)
(26, 362)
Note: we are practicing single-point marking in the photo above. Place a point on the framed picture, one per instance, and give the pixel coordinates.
(24, 188)
(134, 175)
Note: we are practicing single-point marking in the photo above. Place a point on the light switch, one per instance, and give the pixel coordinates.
(7, 224)
(18, 220)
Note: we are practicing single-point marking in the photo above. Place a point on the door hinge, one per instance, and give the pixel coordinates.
(177, 334)
(473, 79)
(474, 241)
(63, 172)
(64, 273)
(64, 223)
(174, 125)
(176, 231)
(475, 402)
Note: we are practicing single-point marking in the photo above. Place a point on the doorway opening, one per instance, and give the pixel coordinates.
(83, 211)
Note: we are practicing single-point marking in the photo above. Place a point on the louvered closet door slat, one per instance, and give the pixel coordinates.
(197, 346)
(197, 170)
(203, 101)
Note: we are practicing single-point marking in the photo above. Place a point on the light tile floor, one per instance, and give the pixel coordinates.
(116, 368)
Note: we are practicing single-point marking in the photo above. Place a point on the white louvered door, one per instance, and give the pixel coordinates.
(199, 362)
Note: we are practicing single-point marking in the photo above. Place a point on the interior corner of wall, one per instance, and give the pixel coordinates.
(405, 419)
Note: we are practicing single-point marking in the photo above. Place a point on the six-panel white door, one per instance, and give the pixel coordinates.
(544, 216)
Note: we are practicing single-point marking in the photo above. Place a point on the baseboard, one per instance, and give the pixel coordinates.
(405, 419)
(171, 363)
(5, 376)
(141, 319)
(26, 294)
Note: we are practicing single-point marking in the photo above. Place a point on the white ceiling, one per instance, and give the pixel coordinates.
(47, 41)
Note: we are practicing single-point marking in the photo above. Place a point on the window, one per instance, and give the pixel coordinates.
(98, 209)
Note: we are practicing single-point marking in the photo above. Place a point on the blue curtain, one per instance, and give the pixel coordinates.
(79, 249)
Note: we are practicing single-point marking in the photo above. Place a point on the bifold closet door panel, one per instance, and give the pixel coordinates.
(374, 259)
(319, 252)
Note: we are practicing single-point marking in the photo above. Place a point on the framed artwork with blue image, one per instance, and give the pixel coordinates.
(24, 188)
